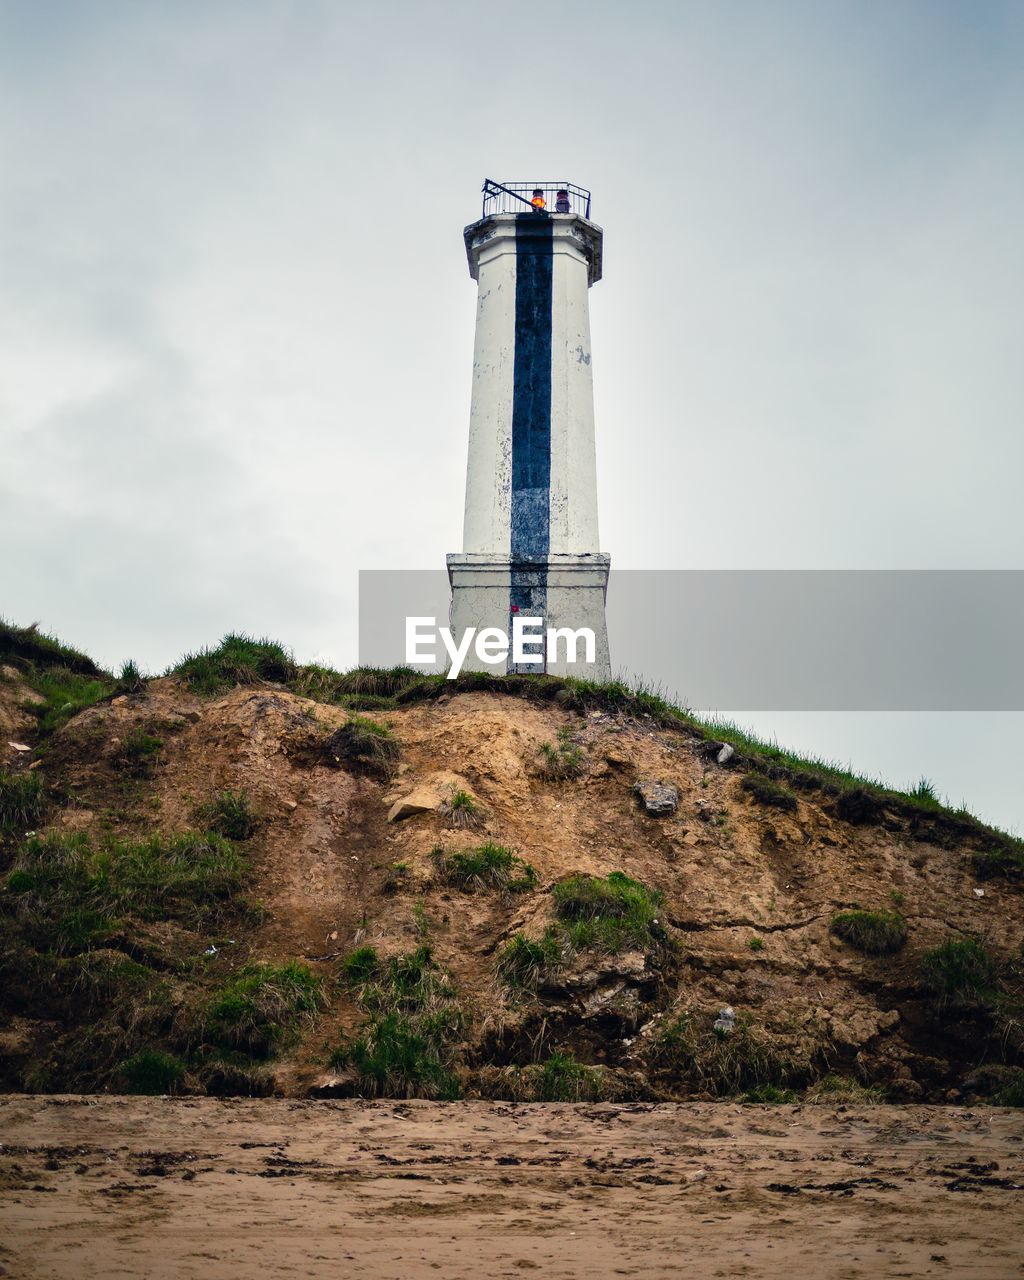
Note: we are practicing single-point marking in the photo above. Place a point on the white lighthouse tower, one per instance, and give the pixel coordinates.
(530, 541)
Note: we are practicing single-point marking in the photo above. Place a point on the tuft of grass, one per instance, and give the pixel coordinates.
(360, 966)
(960, 971)
(65, 693)
(231, 814)
(407, 1046)
(609, 914)
(131, 679)
(238, 659)
(755, 943)
(43, 650)
(152, 1072)
(461, 810)
(21, 799)
(564, 759)
(1011, 1092)
(842, 1089)
(745, 1059)
(362, 745)
(259, 1006)
(924, 795)
(491, 866)
(138, 752)
(1005, 861)
(769, 793)
(877, 933)
(769, 1093)
(70, 895)
(562, 1079)
(525, 962)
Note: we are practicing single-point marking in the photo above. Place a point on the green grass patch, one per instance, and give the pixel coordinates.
(69, 894)
(152, 1072)
(877, 933)
(21, 800)
(769, 1093)
(563, 759)
(1005, 861)
(230, 814)
(562, 1079)
(362, 745)
(258, 1008)
(491, 866)
(407, 1046)
(237, 660)
(461, 810)
(138, 752)
(65, 693)
(960, 971)
(748, 1058)
(360, 966)
(608, 915)
(42, 650)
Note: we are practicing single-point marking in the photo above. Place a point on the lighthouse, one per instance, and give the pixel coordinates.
(530, 539)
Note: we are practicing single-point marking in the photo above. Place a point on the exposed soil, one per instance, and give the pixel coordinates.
(332, 872)
(172, 1188)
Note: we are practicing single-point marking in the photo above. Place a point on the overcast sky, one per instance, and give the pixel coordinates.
(236, 319)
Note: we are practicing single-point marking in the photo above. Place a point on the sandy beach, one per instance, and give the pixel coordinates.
(161, 1188)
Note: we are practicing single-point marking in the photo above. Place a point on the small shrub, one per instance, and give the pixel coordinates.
(461, 810)
(755, 944)
(362, 746)
(238, 659)
(151, 1072)
(959, 971)
(259, 1006)
(769, 793)
(231, 814)
(491, 866)
(563, 759)
(874, 932)
(21, 799)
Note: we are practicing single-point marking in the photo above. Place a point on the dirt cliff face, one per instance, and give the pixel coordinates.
(373, 945)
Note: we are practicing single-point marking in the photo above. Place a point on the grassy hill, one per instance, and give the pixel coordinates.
(250, 876)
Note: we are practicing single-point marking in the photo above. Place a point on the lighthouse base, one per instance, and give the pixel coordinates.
(566, 592)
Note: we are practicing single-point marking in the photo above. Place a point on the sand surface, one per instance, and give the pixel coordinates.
(157, 1188)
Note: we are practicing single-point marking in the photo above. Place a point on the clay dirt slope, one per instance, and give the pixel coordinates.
(749, 890)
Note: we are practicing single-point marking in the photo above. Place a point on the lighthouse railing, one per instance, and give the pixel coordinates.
(516, 197)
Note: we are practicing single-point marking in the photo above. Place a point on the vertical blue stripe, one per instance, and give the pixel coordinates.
(531, 416)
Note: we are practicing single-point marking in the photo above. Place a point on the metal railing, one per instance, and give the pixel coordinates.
(515, 197)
